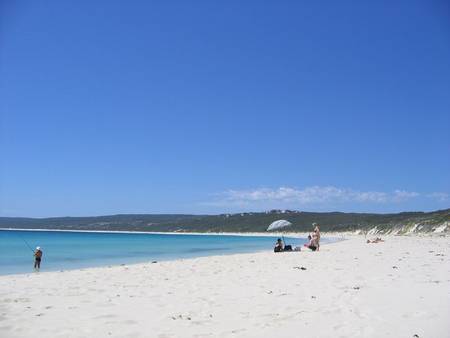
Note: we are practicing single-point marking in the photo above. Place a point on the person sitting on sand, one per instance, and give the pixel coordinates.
(37, 258)
(279, 246)
(312, 242)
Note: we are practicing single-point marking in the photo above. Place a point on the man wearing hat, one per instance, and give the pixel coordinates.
(37, 258)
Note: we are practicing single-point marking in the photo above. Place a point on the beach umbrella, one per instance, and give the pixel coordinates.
(281, 223)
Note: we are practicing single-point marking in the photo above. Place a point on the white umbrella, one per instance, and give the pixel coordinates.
(279, 224)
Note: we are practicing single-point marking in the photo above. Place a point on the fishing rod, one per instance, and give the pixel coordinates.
(28, 245)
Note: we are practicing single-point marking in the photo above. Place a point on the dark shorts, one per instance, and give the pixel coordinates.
(38, 259)
(312, 247)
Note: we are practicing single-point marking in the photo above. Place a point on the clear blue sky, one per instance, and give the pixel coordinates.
(206, 107)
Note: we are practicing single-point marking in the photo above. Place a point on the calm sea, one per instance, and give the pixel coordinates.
(74, 250)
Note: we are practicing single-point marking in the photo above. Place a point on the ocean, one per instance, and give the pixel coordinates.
(64, 250)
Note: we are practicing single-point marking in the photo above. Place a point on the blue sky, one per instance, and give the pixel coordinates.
(204, 107)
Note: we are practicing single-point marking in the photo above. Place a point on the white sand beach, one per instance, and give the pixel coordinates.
(397, 288)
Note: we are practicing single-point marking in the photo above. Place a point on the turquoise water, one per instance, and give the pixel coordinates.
(74, 250)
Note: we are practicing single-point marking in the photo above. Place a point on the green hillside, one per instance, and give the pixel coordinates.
(242, 222)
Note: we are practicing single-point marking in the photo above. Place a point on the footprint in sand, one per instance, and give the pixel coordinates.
(107, 316)
(244, 315)
(238, 331)
(181, 317)
(5, 328)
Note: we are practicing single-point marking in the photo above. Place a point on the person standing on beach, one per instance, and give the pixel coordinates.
(37, 258)
(316, 234)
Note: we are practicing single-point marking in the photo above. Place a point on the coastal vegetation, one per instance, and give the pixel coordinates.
(404, 222)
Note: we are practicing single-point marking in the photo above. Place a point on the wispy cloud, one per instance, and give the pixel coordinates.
(440, 196)
(315, 195)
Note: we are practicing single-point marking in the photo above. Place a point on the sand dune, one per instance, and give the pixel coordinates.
(399, 288)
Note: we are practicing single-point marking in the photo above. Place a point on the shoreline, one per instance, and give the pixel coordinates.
(252, 234)
(176, 260)
(118, 261)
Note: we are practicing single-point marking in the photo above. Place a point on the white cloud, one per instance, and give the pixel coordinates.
(402, 195)
(440, 196)
(309, 196)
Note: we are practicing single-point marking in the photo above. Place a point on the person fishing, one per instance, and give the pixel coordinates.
(37, 258)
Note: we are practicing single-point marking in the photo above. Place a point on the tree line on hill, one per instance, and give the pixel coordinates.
(242, 222)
